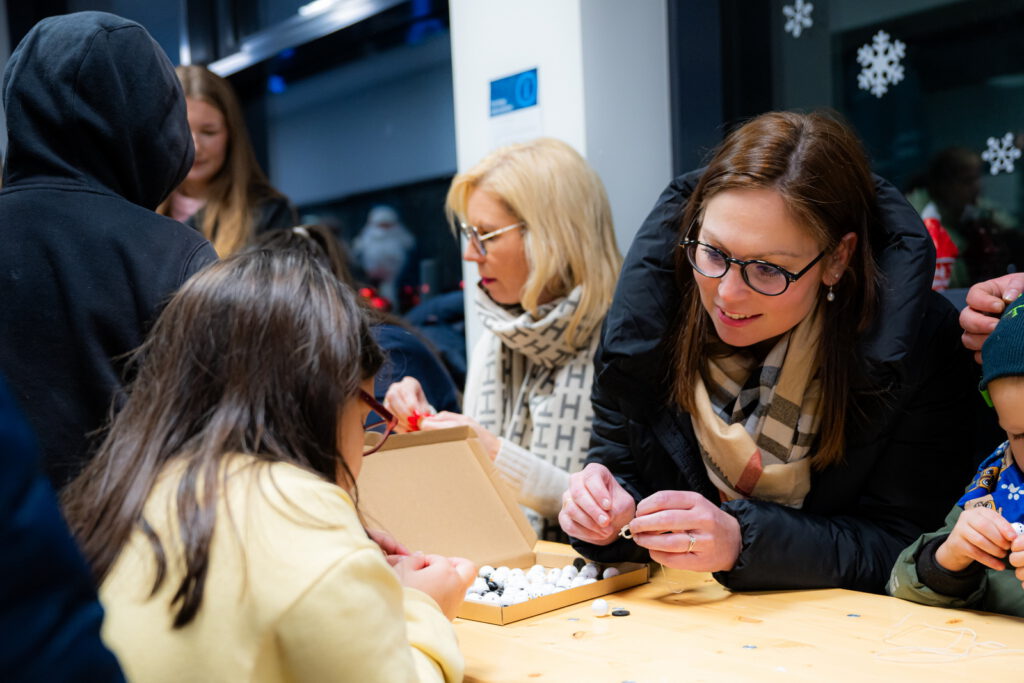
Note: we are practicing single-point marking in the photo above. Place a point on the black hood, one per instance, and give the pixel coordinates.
(93, 101)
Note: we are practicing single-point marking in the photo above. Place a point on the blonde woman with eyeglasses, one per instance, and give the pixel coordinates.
(539, 227)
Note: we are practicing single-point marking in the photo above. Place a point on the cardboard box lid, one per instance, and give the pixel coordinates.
(438, 492)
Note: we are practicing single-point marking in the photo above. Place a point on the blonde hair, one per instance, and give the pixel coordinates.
(569, 238)
(240, 184)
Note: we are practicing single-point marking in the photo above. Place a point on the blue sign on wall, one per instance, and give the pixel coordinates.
(517, 91)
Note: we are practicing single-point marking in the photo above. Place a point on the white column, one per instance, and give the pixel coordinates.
(603, 87)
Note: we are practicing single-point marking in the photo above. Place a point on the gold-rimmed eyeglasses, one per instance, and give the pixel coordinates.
(472, 234)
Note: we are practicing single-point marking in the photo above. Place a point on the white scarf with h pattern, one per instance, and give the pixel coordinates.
(528, 384)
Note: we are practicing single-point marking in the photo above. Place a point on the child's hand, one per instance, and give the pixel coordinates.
(445, 579)
(1017, 557)
(980, 534)
(387, 542)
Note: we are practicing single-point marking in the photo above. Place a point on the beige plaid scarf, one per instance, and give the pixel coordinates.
(757, 424)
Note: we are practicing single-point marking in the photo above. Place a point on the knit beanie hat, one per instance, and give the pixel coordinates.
(1002, 355)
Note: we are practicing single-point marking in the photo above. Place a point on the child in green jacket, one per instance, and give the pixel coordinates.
(977, 559)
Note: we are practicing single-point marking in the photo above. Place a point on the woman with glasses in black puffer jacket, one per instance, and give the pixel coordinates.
(780, 398)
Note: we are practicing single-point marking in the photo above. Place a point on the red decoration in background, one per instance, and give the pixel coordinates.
(375, 300)
(946, 253)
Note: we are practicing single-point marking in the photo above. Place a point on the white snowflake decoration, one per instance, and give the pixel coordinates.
(1000, 153)
(881, 61)
(1013, 492)
(798, 17)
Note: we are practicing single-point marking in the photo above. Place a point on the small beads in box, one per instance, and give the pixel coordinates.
(504, 586)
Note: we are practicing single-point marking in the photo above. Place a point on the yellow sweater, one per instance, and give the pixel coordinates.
(295, 592)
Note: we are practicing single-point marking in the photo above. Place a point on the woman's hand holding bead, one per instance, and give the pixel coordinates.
(684, 530)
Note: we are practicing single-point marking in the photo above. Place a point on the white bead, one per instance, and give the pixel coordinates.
(500, 575)
(570, 571)
(486, 571)
(1018, 527)
(599, 607)
(610, 572)
(589, 571)
(536, 574)
(479, 586)
(473, 597)
(546, 589)
(563, 583)
(578, 581)
(491, 597)
(516, 583)
(553, 576)
(535, 590)
(513, 598)
(517, 573)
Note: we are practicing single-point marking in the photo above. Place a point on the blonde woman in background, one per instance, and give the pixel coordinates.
(539, 227)
(226, 196)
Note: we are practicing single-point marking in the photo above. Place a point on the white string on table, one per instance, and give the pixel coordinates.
(963, 647)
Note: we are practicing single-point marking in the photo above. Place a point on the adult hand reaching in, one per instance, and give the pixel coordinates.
(985, 303)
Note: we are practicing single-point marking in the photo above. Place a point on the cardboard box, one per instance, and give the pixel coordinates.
(439, 492)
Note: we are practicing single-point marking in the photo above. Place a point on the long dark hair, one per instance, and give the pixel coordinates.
(256, 354)
(817, 165)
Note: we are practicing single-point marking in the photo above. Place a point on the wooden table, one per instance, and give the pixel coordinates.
(706, 633)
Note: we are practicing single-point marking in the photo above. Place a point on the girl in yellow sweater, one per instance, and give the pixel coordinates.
(211, 515)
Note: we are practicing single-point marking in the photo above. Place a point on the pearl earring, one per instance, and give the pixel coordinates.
(831, 296)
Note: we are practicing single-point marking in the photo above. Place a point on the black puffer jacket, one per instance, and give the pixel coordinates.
(98, 137)
(905, 460)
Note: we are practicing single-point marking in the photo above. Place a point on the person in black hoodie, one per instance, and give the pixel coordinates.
(709, 447)
(98, 137)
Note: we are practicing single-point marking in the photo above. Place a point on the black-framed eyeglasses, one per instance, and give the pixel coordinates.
(379, 426)
(763, 277)
(472, 234)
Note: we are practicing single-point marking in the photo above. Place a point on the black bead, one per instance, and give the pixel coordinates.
(579, 563)
(620, 612)
(491, 585)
